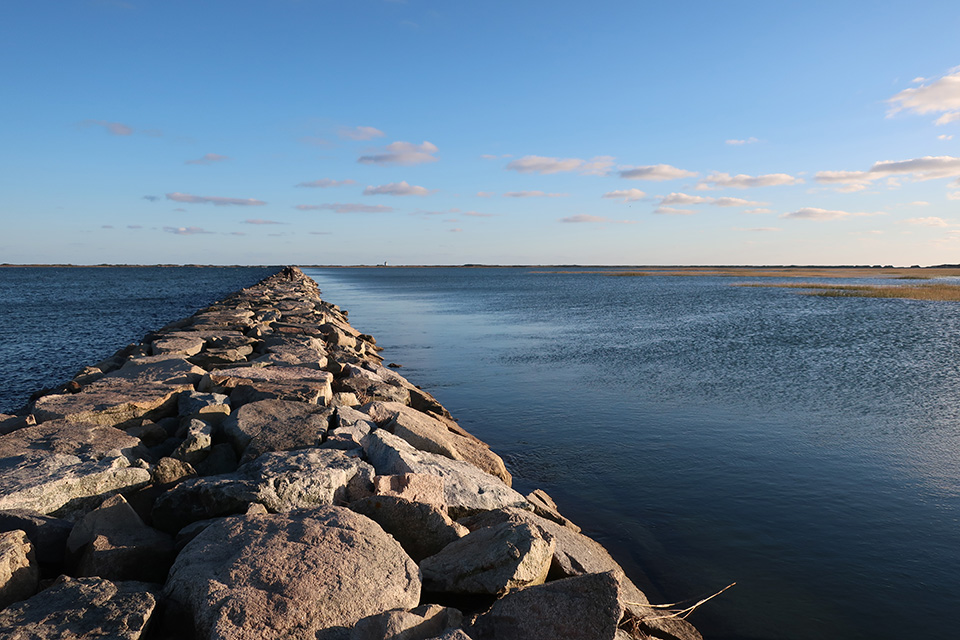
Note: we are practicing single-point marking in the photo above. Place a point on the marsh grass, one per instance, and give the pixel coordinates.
(773, 272)
(937, 291)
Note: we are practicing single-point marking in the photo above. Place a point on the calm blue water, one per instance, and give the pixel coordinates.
(806, 448)
(54, 321)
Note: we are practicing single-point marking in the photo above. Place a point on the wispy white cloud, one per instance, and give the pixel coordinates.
(627, 195)
(113, 128)
(326, 183)
(403, 154)
(209, 158)
(759, 210)
(485, 194)
(655, 173)
(455, 230)
(597, 166)
(931, 221)
(260, 221)
(214, 200)
(534, 194)
(360, 133)
(757, 229)
(186, 231)
(672, 211)
(813, 213)
(945, 137)
(750, 140)
(718, 180)
(915, 169)
(684, 199)
(397, 189)
(942, 96)
(953, 195)
(477, 214)
(586, 218)
(345, 207)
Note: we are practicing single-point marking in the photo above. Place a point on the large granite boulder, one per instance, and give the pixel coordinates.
(80, 608)
(224, 380)
(19, 574)
(311, 574)
(582, 608)
(62, 465)
(430, 434)
(281, 481)
(492, 560)
(467, 489)
(276, 425)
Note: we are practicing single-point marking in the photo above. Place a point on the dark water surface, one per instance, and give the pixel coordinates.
(806, 448)
(56, 320)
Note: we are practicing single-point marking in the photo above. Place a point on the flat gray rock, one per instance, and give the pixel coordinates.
(276, 425)
(59, 463)
(281, 481)
(76, 608)
(490, 560)
(114, 402)
(303, 576)
(467, 489)
(583, 608)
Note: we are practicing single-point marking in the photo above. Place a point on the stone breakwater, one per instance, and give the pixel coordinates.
(254, 471)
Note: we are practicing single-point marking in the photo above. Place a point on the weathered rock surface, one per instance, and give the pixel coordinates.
(311, 574)
(490, 560)
(226, 379)
(112, 402)
(421, 529)
(274, 419)
(196, 443)
(415, 487)
(19, 574)
(429, 434)
(59, 464)
(466, 488)
(81, 608)
(421, 623)
(281, 481)
(582, 608)
(113, 542)
(47, 534)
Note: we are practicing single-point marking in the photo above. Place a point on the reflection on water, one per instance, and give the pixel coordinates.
(806, 448)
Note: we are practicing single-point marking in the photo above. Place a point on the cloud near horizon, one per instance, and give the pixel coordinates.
(655, 173)
(717, 180)
(209, 158)
(932, 221)
(586, 218)
(626, 195)
(687, 199)
(339, 207)
(402, 153)
(813, 213)
(260, 221)
(597, 166)
(534, 194)
(186, 231)
(326, 183)
(215, 200)
(397, 189)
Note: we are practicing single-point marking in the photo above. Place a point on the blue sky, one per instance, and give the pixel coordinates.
(429, 132)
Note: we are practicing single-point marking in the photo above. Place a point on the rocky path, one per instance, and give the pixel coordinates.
(254, 471)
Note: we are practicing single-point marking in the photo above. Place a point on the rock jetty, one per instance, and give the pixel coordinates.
(254, 471)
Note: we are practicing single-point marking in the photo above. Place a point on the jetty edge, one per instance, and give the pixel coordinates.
(254, 471)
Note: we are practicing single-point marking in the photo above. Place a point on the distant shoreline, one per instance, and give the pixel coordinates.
(496, 266)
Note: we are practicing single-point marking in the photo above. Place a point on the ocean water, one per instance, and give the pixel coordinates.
(56, 320)
(806, 448)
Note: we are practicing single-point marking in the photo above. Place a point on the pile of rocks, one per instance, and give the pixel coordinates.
(254, 471)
